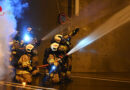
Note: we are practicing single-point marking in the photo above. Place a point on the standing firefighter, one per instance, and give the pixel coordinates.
(64, 48)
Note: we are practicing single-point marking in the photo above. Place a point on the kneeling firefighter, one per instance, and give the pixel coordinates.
(53, 65)
(54, 68)
(24, 70)
(57, 62)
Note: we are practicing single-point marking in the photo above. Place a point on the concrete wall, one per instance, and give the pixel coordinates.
(49, 20)
(111, 52)
(108, 54)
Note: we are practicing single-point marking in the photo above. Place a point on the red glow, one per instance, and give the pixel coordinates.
(0, 9)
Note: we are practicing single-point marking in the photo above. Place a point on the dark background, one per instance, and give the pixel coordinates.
(108, 54)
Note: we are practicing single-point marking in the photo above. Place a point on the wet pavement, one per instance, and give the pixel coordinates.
(80, 81)
(89, 84)
(97, 81)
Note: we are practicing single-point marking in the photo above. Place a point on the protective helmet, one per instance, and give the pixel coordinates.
(29, 47)
(54, 46)
(58, 37)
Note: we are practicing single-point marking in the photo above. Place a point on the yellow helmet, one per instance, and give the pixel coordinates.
(58, 37)
(29, 47)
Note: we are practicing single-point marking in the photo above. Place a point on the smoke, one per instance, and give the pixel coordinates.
(112, 23)
(12, 9)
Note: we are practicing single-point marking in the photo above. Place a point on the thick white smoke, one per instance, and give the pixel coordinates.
(8, 24)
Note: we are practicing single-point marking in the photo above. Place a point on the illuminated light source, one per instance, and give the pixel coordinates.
(53, 67)
(27, 38)
(24, 84)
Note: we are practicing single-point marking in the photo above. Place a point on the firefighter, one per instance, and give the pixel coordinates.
(30, 51)
(64, 47)
(60, 46)
(24, 68)
(51, 50)
(65, 39)
(51, 58)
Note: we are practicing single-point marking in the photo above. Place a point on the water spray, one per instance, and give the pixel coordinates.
(55, 31)
(118, 19)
